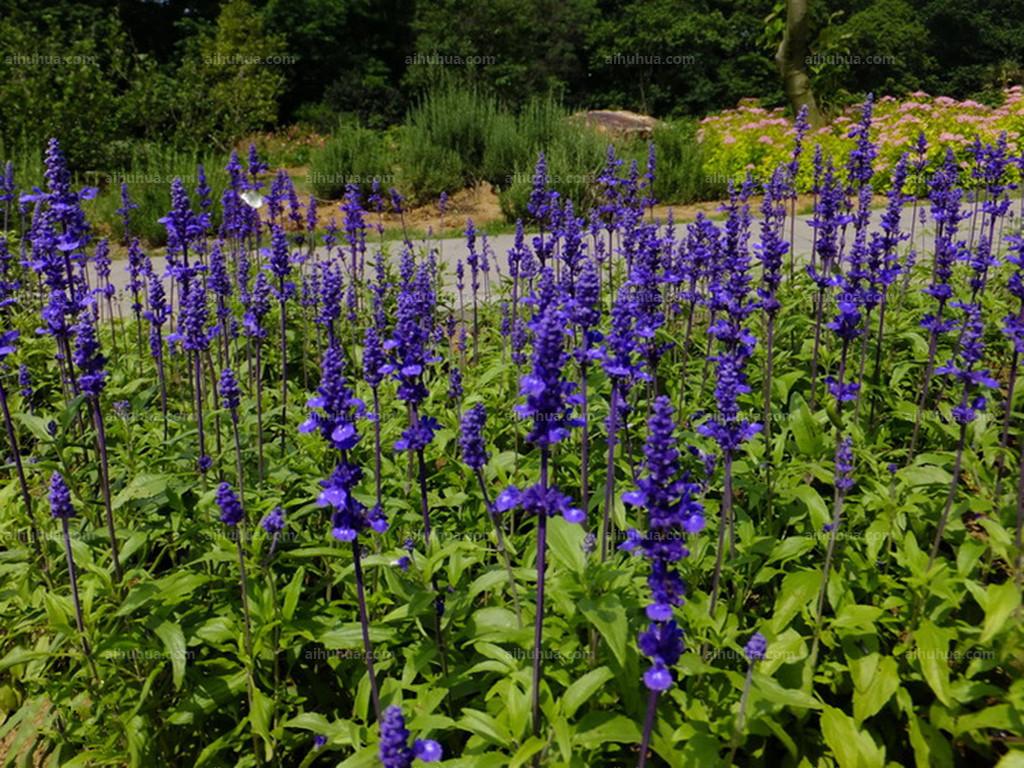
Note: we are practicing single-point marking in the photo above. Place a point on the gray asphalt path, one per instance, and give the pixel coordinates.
(450, 250)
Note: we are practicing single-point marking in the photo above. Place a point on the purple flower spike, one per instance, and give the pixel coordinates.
(60, 498)
(756, 648)
(231, 512)
(274, 521)
(395, 751)
(471, 441)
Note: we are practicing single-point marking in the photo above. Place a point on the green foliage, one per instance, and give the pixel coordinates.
(149, 172)
(352, 155)
(449, 122)
(230, 79)
(574, 155)
(57, 78)
(681, 176)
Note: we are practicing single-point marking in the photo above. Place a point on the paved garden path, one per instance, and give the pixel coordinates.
(452, 249)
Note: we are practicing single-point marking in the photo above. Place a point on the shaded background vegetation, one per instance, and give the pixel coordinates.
(201, 74)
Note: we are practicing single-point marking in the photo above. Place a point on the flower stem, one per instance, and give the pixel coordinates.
(609, 481)
(652, 709)
(101, 444)
(364, 623)
(538, 623)
(22, 482)
(725, 524)
(951, 496)
(502, 549)
(73, 577)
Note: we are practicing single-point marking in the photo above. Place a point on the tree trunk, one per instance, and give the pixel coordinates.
(791, 59)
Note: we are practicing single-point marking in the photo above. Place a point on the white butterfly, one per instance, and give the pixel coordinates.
(253, 199)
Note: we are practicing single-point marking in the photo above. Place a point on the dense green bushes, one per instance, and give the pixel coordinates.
(352, 155)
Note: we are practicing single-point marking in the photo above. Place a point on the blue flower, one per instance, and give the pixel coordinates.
(756, 647)
(471, 440)
(231, 512)
(395, 751)
(60, 498)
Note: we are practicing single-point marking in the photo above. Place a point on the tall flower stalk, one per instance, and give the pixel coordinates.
(232, 514)
(673, 510)
(91, 381)
(620, 359)
(771, 251)
(252, 323)
(754, 651)
(334, 414)
(157, 314)
(732, 303)
(964, 369)
(945, 195)
(280, 266)
(7, 342)
(62, 509)
(474, 454)
(549, 408)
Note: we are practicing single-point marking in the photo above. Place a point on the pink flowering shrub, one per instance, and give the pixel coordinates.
(751, 138)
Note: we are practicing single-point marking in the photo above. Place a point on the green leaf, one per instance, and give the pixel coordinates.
(598, 728)
(1001, 600)
(262, 713)
(933, 655)
(792, 546)
(566, 542)
(852, 747)
(857, 617)
(291, 593)
(798, 589)
(484, 726)
(141, 487)
(815, 505)
(530, 747)
(173, 638)
(770, 689)
(580, 691)
(805, 430)
(493, 624)
(608, 615)
(869, 700)
(924, 474)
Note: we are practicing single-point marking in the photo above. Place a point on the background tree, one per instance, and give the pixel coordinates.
(791, 59)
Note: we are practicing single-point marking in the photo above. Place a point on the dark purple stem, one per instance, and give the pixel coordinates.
(22, 482)
(538, 624)
(101, 444)
(609, 481)
(652, 709)
(364, 623)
